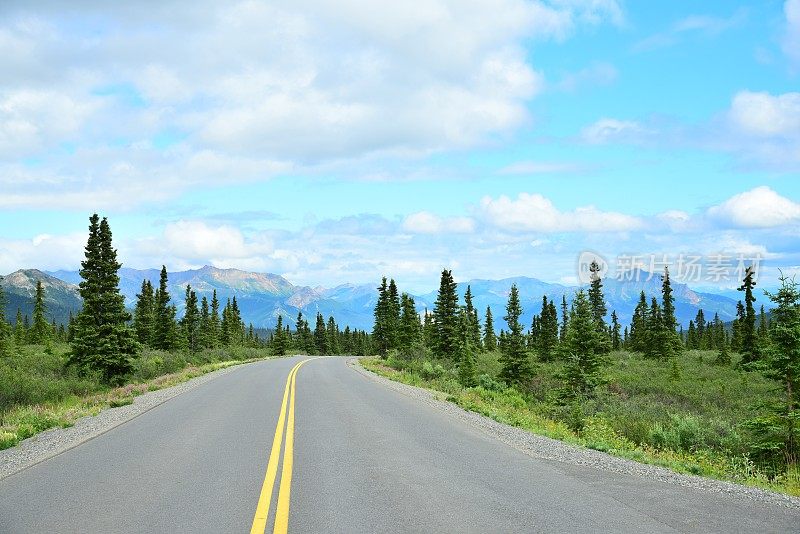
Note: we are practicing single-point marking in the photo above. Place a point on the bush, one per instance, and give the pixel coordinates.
(431, 372)
(490, 384)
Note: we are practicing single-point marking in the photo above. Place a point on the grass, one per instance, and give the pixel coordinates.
(689, 416)
(37, 393)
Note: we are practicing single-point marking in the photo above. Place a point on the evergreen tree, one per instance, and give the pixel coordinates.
(691, 337)
(381, 330)
(320, 335)
(204, 333)
(585, 348)
(516, 365)
(102, 341)
(164, 316)
(190, 324)
(39, 333)
(278, 343)
(654, 335)
(143, 314)
(489, 337)
(562, 334)
(639, 328)
(332, 332)
(393, 316)
(473, 324)
(445, 318)
(783, 365)
(670, 340)
(763, 328)
(700, 326)
(547, 335)
(596, 298)
(215, 329)
(748, 347)
(410, 327)
(616, 339)
(466, 360)
(428, 330)
(723, 354)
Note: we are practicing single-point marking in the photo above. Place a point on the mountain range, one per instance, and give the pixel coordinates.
(262, 297)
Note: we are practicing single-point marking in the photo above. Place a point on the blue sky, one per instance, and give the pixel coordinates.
(340, 144)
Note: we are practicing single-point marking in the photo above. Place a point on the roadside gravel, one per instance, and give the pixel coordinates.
(551, 449)
(57, 440)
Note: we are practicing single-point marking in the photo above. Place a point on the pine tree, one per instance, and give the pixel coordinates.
(215, 330)
(164, 316)
(39, 333)
(466, 360)
(639, 328)
(445, 318)
(596, 297)
(489, 337)
(547, 335)
(428, 330)
(616, 339)
(320, 336)
(143, 314)
(278, 343)
(585, 348)
(190, 324)
(763, 328)
(473, 323)
(393, 316)
(102, 341)
(670, 341)
(332, 332)
(562, 334)
(204, 332)
(783, 366)
(691, 337)
(700, 326)
(654, 334)
(381, 327)
(410, 327)
(516, 365)
(748, 346)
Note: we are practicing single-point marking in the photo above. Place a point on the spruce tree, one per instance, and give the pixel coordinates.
(514, 357)
(6, 333)
(381, 325)
(445, 318)
(143, 314)
(473, 324)
(585, 347)
(428, 330)
(204, 333)
(102, 341)
(466, 360)
(320, 335)
(670, 340)
(654, 335)
(700, 326)
(596, 298)
(164, 315)
(616, 339)
(410, 328)
(562, 334)
(763, 329)
(214, 331)
(639, 331)
(547, 335)
(393, 316)
(489, 336)
(749, 347)
(736, 327)
(332, 332)
(278, 343)
(190, 323)
(40, 330)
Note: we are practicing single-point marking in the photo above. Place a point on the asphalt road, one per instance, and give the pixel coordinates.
(364, 459)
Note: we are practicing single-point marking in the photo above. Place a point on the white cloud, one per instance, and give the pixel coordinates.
(424, 222)
(44, 251)
(591, 76)
(764, 115)
(293, 84)
(791, 39)
(608, 130)
(535, 213)
(758, 208)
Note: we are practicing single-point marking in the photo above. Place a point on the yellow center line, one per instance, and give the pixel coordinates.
(265, 498)
(282, 511)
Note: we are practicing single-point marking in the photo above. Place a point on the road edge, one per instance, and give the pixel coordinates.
(545, 448)
(55, 441)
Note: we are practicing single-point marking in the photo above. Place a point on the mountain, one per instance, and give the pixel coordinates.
(61, 297)
(262, 297)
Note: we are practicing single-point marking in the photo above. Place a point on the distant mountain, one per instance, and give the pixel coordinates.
(61, 297)
(262, 297)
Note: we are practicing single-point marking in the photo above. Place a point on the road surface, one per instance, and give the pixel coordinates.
(351, 456)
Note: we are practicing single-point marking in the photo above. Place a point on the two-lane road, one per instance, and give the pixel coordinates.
(349, 455)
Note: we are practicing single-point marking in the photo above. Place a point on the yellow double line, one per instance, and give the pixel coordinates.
(265, 499)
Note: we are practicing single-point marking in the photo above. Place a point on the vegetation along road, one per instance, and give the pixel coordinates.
(311, 445)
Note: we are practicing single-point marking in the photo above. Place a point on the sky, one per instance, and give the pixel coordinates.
(335, 142)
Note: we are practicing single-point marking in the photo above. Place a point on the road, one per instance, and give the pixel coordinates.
(359, 458)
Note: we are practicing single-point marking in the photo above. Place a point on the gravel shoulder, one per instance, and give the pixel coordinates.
(550, 449)
(55, 441)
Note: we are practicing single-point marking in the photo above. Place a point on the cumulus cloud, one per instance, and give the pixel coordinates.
(44, 251)
(260, 84)
(424, 222)
(761, 207)
(764, 115)
(536, 213)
